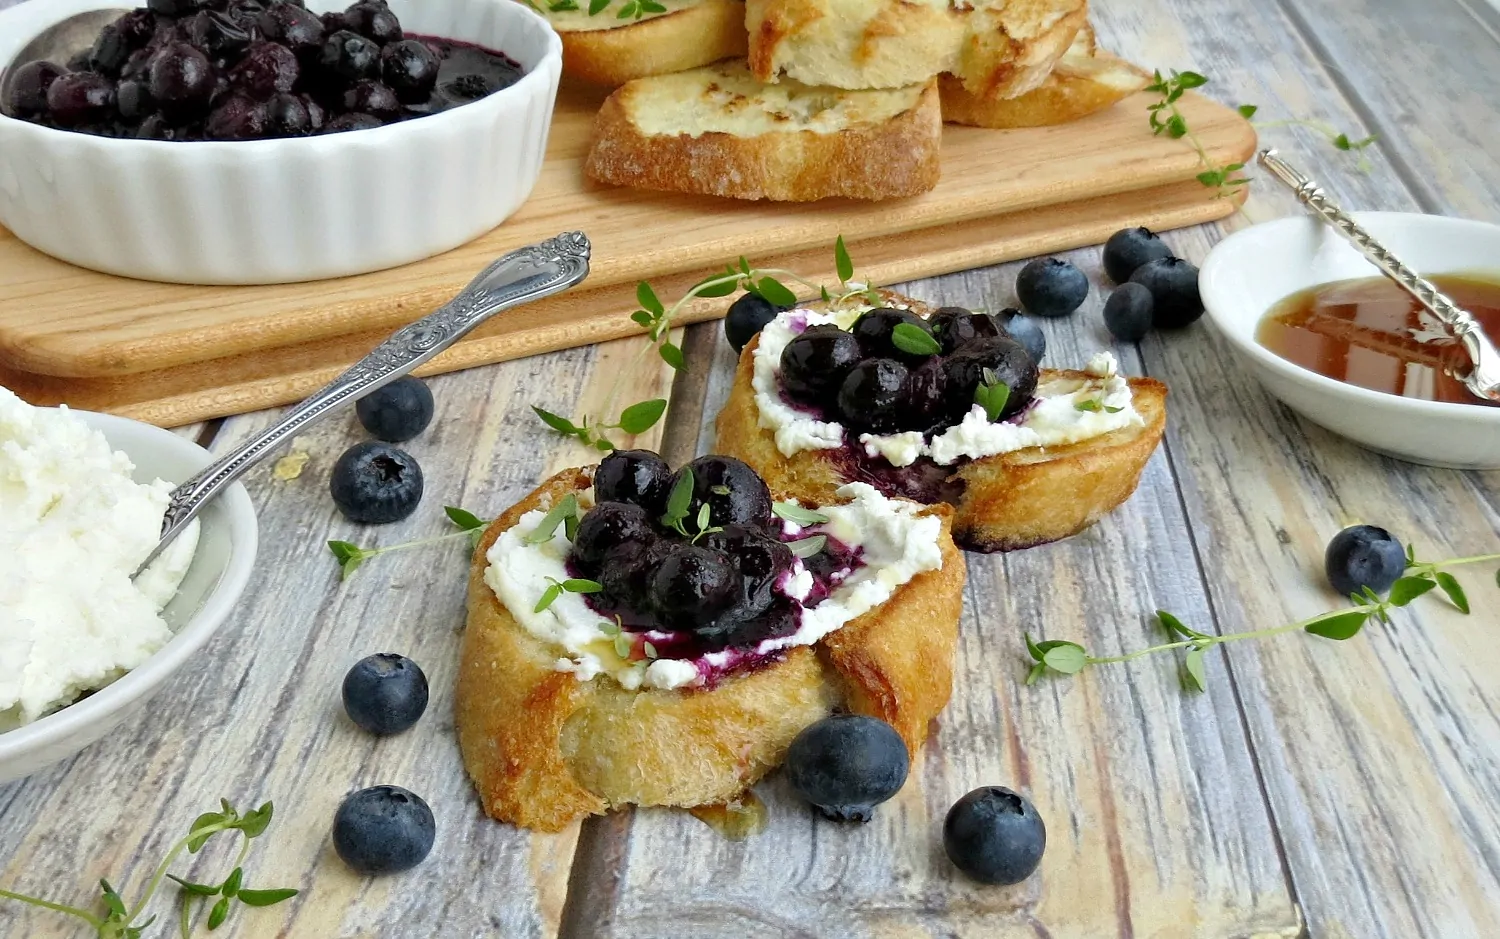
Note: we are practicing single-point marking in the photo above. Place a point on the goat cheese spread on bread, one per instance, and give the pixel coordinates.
(74, 526)
(1054, 418)
(895, 543)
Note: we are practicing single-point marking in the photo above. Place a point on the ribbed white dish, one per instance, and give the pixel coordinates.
(279, 211)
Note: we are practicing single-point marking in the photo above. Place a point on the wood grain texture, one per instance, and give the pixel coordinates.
(59, 320)
(277, 376)
(258, 717)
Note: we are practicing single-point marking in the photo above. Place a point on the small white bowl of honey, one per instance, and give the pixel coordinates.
(1340, 344)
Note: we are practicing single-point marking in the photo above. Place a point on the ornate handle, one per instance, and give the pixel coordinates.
(1484, 378)
(528, 274)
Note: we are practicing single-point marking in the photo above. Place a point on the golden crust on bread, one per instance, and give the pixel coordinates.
(1078, 86)
(720, 134)
(681, 39)
(997, 48)
(545, 749)
(1011, 500)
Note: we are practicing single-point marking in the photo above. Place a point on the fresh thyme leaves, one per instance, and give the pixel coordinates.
(649, 649)
(631, 9)
(566, 508)
(1096, 404)
(556, 588)
(992, 395)
(1059, 657)
(705, 523)
(657, 319)
(797, 514)
(909, 338)
(808, 547)
(351, 556)
(120, 920)
(679, 500)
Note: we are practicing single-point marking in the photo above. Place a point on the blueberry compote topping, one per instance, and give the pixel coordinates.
(253, 69)
(871, 381)
(691, 589)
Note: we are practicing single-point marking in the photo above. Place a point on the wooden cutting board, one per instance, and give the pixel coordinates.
(171, 354)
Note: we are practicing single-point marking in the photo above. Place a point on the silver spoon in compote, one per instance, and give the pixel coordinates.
(1483, 376)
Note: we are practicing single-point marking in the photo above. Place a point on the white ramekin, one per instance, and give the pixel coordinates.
(214, 583)
(279, 211)
(1250, 271)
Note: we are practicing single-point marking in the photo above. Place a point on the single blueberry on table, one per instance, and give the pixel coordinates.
(1128, 313)
(1364, 556)
(1051, 287)
(385, 693)
(995, 836)
(1173, 283)
(383, 830)
(747, 316)
(376, 483)
(847, 764)
(1127, 249)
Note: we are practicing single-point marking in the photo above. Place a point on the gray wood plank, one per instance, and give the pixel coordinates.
(258, 717)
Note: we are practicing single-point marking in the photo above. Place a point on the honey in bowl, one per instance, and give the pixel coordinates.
(1369, 332)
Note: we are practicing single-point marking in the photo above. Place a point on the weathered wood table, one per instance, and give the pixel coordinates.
(1344, 790)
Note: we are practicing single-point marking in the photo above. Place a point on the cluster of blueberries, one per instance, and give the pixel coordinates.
(251, 69)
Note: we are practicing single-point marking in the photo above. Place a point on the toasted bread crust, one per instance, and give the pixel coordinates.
(680, 40)
(1011, 500)
(1066, 95)
(545, 749)
(894, 158)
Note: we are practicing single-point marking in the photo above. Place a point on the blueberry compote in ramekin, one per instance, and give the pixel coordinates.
(252, 69)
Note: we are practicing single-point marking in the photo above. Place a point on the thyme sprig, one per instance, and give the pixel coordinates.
(1058, 657)
(629, 10)
(656, 319)
(351, 556)
(120, 920)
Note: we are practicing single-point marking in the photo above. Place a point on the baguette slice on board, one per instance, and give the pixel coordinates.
(997, 48)
(717, 131)
(606, 50)
(545, 749)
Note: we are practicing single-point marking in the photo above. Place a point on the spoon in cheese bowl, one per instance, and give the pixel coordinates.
(524, 275)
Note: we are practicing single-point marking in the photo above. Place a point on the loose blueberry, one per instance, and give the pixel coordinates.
(266, 69)
(110, 51)
(692, 586)
(1026, 330)
(79, 98)
(28, 88)
(1173, 283)
(134, 101)
(1127, 249)
(607, 526)
(238, 117)
(1006, 359)
(1128, 312)
(638, 476)
(289, 116)
(293, 27)
(747, 316)
(397, 412)
(847, 764)
(376, 483)
(137, 28)
(873, 396)
(373, 98)
(182, 81)
(734, 493)
(953, 326)
(995, 836)
(1363, 556)
(385, 693)
(875, 328)
(813, 364)
(1051, 287)
(373, 21)
(383, 829)
(217, 35)
(350, 56)
(410, 69)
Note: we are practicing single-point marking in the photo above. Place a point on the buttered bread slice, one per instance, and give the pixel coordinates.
(996, 48)
(606, 50)
(718, 131)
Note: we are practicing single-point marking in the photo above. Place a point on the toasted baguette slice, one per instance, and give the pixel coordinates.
(717, 131)
(997, 48)
(545, 749)
(607, 50)
(1084, 81)
(1012, 500)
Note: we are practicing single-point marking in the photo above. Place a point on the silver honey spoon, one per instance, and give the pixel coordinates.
(1483, 377)
(524, 275)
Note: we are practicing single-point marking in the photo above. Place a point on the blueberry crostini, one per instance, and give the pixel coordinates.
(638, 636)
(940, 406)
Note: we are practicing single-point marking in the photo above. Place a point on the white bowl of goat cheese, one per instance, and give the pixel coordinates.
(83, 645)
